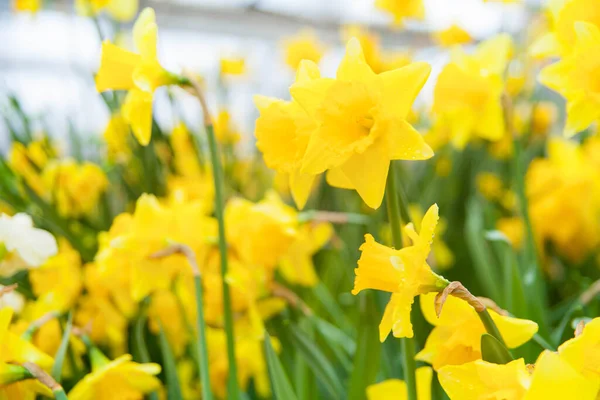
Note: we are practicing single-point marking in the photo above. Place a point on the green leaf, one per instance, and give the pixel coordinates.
(170, 368)
(140, 341)
(320, 365)
(493, 351)
(368, 348)
(59, 358)
(280, 384)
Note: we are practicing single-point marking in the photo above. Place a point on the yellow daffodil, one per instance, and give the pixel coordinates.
(22, 245)
(443, 258)
(24, 166)
(165, 310)
(296, 265)
(16, 383)
(555, 378)
(452, 36)
(467, 95)
(565, 183)
(140, 73)
(489, 185)
(248, 224)
(401, 9)
(32, 6)
(483, 380)
(564, 14)
(283, 131)
(543, 116)
(233, 66)
(120, 378)
(514, 230)
(577, 78)
(120, 10)
(404, 273)
(225, 131)
(392, 389)
(456, 338)
(583, 351)
(361, 123)
(302, 46)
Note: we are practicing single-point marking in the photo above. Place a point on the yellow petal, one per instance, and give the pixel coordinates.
(545, 46)
(556, 76)
(515, 331)
(300, 186)
(336, 178)
(424, 376)
(582, 352)
(396, 317)
(406, 143)
(116, 68)
(137, 111)
(401, 86)
(391, 389)
(494, 53)
(123, 10)
(145, 33)
(581, 113)
(353, 66)
(368, 172)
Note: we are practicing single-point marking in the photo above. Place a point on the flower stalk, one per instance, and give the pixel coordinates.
(217, 172)
(408, 347)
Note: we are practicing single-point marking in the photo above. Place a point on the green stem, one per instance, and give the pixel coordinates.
(202, 346)
(233, 392)
(59, 394)
(408, 347)
(490, 325)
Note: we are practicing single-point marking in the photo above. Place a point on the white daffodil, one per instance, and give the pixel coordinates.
(22, 245)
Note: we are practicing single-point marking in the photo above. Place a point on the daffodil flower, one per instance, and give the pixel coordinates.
(361, 122)
(139, 73)
(401, 9)
(302, 46)
(404, 273)
(395, 389)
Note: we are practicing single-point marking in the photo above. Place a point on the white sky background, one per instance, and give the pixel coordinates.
(48, 59)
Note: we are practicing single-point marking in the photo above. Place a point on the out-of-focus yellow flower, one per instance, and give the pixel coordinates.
(361, 123)
(577, 78)
(249, 224)
(452, 36)
(120, 10)
(489, 185)
(483, 380)
(32, 6)
(120, 378)
(402, 9)
(560, 41)
(22, 245)
(369, 42)
(543, 116)
(565, 183)
(404, 273)
(225, 131)
(22, 164)
(555, 378)
(140, 73)
(233, 66)
(391, 60)
(165, 311)
(456, 338)
(393, 389)
(468, 91)
(115, 136)
(76, 188)
(283, 131)
(304, 45)
(514, 230)
(296, 265)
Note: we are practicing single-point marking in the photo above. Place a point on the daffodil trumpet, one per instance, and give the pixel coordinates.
(217, 172)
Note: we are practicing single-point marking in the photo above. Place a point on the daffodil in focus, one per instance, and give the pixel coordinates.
(283, 132)
(302, 46)
(467, 94)
(577, 78)
(120, 10)
(443, 258)
(483, 380)
(361, 123)
(139, 73)
(583, 351)
(119, 379)
(395, 389)
(452, 36)
(22, 245)
(456, 338)
(404, 273)
(402, 9)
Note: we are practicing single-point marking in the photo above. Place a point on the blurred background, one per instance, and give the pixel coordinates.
(48, 58)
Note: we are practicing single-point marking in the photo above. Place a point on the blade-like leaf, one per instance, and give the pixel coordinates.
(280, 384)
(493, 351)
(170, 368)
(59, 358)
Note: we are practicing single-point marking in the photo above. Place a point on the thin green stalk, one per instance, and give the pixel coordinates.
(202, 346)
(228, 315)
(59, 394)
(490, 326)
(408, 347)
(233, 391)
